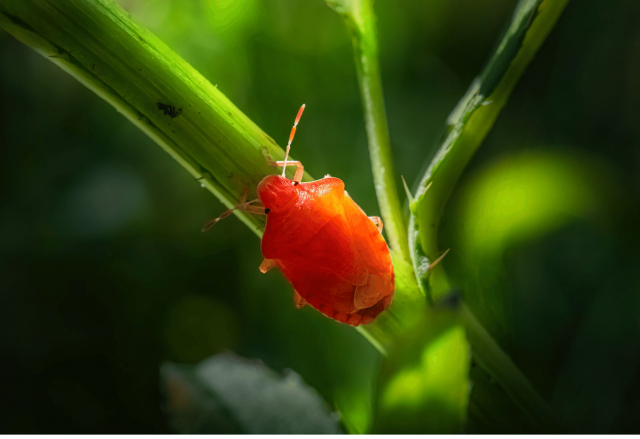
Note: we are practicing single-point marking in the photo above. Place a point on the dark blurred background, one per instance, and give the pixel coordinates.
(105, 274)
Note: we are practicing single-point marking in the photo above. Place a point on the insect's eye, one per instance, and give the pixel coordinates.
(267, 210)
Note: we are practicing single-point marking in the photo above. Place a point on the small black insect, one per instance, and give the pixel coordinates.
(169, 110)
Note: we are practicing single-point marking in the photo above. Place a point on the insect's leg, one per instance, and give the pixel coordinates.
(299, 169)
(267, 264)
(437, 261)
(378, 222)
(214, 221)
(243, 205)
(247, 207)
(299, 301)
(243, 197)
(367, 295)
(258, 210)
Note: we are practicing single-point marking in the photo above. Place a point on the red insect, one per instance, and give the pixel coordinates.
(323, 243)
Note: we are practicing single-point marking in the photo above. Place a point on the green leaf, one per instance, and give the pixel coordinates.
(355, 407)
(424, 384)
(228, 394)
(470, 122)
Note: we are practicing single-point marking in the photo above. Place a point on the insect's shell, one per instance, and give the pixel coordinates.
(327, 247)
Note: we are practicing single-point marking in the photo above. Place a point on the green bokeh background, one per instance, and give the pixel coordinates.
(105, 273)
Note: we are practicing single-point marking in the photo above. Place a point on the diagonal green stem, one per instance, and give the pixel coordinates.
(360, 20)
(97, 42)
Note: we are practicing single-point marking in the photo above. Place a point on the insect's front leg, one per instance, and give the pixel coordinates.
(267, 264)
(378, 222)
(258, 210)
(299, 169)
(242, 205)
(299, 301)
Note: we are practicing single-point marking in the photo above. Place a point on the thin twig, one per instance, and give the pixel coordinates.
(360, 20)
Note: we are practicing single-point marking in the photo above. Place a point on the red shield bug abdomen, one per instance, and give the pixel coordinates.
(324, 244)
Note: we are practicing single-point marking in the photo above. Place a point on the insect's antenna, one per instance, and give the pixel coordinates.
(293, 133)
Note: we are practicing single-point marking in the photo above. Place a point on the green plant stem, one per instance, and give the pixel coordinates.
(498, 364)
(360, 20)
(97, 42)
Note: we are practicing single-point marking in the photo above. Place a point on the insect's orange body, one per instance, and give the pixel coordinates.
(325, 245)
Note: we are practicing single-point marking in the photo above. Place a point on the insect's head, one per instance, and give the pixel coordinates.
(276, 192)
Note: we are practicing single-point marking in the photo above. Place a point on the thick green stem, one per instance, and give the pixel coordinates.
(360, 20)
(97, 42)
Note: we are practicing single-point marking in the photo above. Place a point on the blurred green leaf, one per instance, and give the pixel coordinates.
(231, 395)
(424, 384)
(355, 405)
(513, 201)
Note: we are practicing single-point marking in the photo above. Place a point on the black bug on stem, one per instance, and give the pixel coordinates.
(169, 110)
